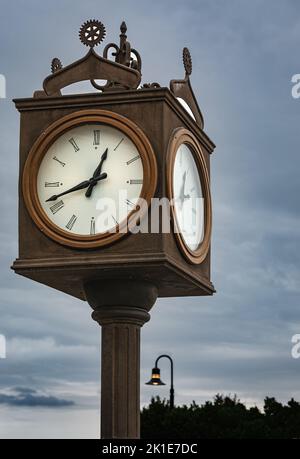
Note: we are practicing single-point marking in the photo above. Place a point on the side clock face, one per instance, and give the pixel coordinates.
(84, 177)
(188, 197)
(189, 191)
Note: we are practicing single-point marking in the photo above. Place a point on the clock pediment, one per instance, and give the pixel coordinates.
(182, 90)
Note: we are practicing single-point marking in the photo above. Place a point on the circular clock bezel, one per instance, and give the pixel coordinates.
(183, 136)
(42, 145)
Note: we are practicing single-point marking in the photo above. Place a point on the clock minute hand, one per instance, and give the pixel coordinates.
(80, 186)
(96, 172)
(181, 193)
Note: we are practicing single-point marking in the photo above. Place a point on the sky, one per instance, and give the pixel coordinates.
(236, 342)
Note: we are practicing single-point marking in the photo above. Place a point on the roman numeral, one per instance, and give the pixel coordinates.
(51, 184)
(136, 182)
(93, 226)
(133, 159)
(116, 221)
(129, 203)
(57, 206)
(71, 222)
(58, 160)
(74, 144)
(96, 138)
(119, 144)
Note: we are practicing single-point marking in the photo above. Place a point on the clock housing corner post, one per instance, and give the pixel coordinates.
(121, 307)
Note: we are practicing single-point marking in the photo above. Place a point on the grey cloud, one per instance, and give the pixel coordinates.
(25, 390)
(24, 396)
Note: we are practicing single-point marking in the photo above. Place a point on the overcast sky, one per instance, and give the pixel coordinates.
(238, 341)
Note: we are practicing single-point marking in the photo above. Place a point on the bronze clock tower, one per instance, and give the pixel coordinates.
(145, 140)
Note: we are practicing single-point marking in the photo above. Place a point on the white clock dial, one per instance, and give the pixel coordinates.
(188, 197)
(73, 159)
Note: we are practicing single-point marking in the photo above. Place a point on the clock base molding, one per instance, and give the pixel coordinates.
(69, 275)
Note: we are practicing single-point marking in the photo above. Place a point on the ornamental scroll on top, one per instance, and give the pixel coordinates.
(124, 72)
(121, 72)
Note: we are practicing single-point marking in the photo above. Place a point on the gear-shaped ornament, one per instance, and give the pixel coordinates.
(187, 61)
(92, 33)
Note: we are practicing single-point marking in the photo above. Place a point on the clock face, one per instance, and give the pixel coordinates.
(188, 197)
(188, 188)
(74, 158)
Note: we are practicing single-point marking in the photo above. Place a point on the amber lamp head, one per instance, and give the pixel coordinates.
(155, 378)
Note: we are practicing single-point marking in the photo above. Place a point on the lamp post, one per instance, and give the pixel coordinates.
(156, 381)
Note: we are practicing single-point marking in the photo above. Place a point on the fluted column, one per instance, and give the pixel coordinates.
(121, 308)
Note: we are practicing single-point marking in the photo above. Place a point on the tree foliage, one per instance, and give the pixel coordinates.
(225, 417)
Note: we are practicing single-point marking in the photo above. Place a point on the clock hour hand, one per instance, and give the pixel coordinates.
(182, 194)
(80, 186)
(96, 172)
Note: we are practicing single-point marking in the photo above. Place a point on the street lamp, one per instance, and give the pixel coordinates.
(156, 381)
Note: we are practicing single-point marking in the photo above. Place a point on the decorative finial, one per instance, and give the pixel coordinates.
(187, 61)
(92, 32)
(56, 65)
(123, 52)
(182, 90)
(123, 28)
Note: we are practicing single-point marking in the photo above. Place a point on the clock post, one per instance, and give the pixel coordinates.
(146, 141)
(121, 307)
